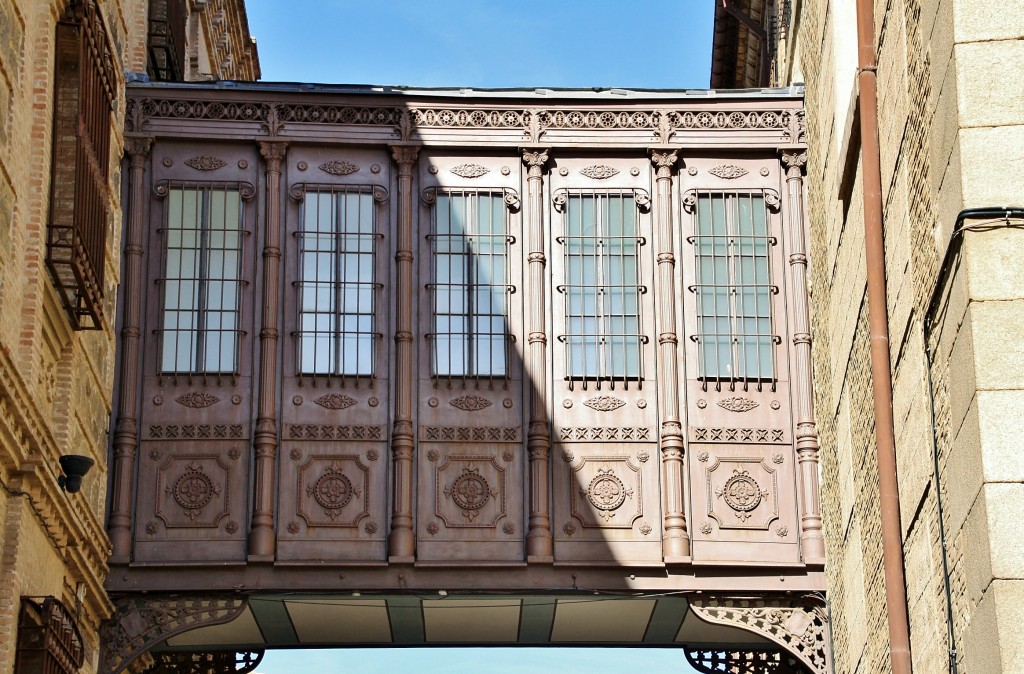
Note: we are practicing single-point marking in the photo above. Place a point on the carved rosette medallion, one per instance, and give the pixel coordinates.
(599, 171)
(470, 492)
(335, 401)
(204, 163)
(470, 403)
(338, 168)
(333, 491)
(197, 399)
(742, 493)
(469, 170)
(728, 171)
(193, 490)
(737, 404)
(606, 492)
(604, 403)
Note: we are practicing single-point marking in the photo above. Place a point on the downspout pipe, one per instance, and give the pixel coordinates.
(881, 367)
(1004, 216)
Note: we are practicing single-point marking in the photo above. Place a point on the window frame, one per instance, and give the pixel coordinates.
(245, 192)
(504, 199)
(606, 373)
(303, 191)
(737, 337)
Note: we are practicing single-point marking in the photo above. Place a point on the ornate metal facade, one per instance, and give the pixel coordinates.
(519, 343)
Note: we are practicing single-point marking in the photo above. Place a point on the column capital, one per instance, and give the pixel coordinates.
(273, 151)
(795, 162)
(405, 156)
(138, 147)
(535, 157)
(664, 160)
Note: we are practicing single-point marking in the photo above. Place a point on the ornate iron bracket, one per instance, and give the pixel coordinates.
(140, 623)
(799, 626)
(744, 661)
(206, 662)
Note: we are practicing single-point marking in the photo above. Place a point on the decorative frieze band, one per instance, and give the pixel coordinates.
(533, 122)
(332, 432)
(470, 433)
(596, 433)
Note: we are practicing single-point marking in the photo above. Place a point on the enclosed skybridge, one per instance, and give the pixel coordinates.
(445, 367)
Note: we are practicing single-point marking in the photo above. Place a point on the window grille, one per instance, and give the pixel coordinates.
(85, 86)
(734, 290)
(202, 279)
(337, 282)
(601, 293)
(469, 244)
(48, 638)
(166, 40)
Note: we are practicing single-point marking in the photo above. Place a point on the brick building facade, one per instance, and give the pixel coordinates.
(61, 114)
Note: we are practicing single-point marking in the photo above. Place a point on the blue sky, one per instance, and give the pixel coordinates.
(660, 44)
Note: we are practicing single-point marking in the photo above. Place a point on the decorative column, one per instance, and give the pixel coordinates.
(126, 433)
(539, 547)
(807, 447)
(402, 541)
(676, 541)
(261, 536)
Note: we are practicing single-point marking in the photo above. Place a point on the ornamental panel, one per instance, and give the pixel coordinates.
(470, 501)
(192, 490)
(333, 490)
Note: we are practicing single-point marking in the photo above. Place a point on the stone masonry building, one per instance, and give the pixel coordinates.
(62, 103)
(951, 137)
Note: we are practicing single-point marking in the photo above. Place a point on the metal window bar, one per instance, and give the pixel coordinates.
(469, 243)
(48, 640)
(734, 289)
(84, 97)
(200, 331)
(337, 286)
(603, 340)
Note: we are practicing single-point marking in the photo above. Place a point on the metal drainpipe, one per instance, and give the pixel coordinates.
(881, 370)
(955, 243)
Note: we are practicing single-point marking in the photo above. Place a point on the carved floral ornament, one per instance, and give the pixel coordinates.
(604, 403)
(742, 493)
(728, 171)
(335, 401)
(606, 492)
(470, 492)
(469, 170)
(599, 172)
(193, 490)
(333, 490)
(205, 163)
(470, 403)
(338, 168)
(197, 399)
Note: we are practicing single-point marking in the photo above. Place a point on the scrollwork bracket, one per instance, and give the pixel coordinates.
(140, 623)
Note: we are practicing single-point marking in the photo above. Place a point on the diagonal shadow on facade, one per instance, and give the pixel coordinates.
(421, 368)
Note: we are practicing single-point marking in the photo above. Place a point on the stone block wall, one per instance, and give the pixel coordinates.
(951, 137)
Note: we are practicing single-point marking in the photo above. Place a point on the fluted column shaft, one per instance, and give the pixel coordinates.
(261, 535)
(807, 446)
(401, 540)
(538, 443)
(676, 541)
(126, 435)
